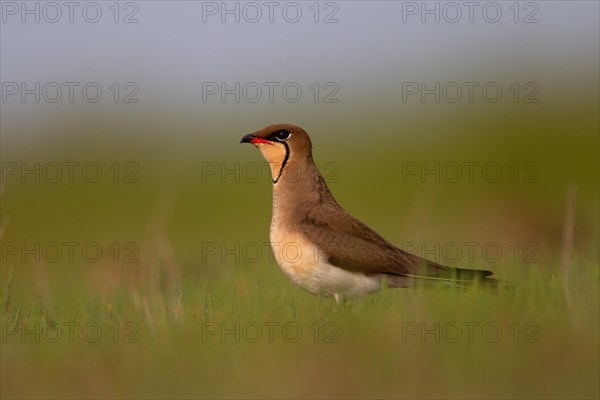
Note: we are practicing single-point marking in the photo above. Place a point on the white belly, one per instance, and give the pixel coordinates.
(307, 267)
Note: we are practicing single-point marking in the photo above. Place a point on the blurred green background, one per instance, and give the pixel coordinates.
(193, 212)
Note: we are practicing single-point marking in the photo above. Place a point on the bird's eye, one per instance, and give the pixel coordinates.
(282, 135)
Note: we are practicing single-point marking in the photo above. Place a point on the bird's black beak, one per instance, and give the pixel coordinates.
(250, 138)
(247, 139)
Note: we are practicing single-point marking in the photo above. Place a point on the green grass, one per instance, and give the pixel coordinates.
(206, 343)
(176, 293)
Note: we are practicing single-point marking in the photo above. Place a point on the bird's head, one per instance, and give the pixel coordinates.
(281, 145)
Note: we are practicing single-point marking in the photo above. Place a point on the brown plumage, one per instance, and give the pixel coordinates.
(306, 214)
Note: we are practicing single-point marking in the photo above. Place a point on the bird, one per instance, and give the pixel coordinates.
(323, 248)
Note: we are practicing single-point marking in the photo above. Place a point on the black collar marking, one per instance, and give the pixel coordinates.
(285, 160)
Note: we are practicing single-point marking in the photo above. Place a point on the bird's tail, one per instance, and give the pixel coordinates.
(440, 275)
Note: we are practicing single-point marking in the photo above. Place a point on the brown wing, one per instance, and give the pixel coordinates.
(350, 244)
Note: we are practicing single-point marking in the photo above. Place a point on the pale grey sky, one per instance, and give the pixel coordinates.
(176, 46)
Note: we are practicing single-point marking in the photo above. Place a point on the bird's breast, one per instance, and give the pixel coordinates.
(299, 259)
(306, 265)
